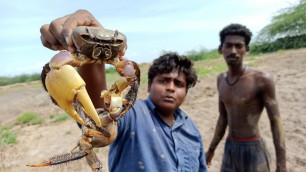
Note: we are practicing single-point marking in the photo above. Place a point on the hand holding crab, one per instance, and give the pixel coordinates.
(67, 89)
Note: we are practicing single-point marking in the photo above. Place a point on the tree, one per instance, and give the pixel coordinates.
(289, 22)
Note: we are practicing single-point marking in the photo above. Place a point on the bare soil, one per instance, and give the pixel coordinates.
(37, 143)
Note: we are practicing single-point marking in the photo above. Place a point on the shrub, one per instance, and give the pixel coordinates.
(203, 55)
(279, 44)
(111, 70)
(19, 79)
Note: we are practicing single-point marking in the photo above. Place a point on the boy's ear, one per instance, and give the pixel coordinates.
(247, 48)
(220, 49)
(149, 86)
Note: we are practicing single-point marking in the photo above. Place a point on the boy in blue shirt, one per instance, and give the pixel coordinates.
(154, 135)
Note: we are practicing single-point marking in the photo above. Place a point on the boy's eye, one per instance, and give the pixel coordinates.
(179, 84)
(162, 81)
(227, 45)
(239, 46)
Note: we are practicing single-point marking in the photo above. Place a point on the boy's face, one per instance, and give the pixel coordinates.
(168, 91)
(233, 49)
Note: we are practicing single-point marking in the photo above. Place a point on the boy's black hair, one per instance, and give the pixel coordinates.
(236, 29)
(167, 62)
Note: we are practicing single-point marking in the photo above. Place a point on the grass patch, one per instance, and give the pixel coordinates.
(60, 118)
(202, 71)
(112, 77)
(144, 80)
(216, 69)
(8, 137)
(37, 121)
(29, 118)
(26, 117)
(5, 128)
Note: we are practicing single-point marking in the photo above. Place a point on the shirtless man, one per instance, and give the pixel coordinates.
(243, 94)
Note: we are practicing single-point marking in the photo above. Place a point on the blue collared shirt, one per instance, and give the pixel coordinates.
(146, 143)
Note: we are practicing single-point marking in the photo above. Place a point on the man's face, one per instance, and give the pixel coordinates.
(168, 91)
(233, 49)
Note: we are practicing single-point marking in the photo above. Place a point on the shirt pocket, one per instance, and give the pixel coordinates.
(194, 156)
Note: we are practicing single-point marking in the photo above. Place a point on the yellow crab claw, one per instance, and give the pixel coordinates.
(64, 85)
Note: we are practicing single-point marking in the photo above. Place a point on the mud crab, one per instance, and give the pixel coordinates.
(67, 90)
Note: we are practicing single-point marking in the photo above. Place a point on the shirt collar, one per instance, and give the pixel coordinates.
(180, 116)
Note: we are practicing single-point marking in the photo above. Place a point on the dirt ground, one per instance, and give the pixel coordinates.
(37, 143)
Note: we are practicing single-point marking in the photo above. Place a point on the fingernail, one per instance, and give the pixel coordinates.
(67, 40)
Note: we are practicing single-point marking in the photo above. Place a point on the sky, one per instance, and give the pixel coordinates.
(151, 27)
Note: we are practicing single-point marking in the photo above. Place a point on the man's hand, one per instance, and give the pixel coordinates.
(57, 34)
(209, 155)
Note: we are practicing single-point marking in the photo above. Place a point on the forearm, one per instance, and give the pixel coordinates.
(279, 142)
(219, 133)
(95, 79)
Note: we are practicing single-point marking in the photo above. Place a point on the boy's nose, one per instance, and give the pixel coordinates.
(171, 86)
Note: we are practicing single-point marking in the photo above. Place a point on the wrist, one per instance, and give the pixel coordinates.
(211, 149)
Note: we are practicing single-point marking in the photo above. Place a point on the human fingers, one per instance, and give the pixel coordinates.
(47, 38)
(79, 18)
(209, 157)
(56, 27)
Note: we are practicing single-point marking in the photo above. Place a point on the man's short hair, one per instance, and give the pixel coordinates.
(170, 61)
(236, 29)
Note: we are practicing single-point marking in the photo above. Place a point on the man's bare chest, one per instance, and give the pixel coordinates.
(244, 92)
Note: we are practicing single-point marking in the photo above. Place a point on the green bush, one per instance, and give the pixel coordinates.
(111, 70)
(19, 79)
(279, 44)
(203, 55)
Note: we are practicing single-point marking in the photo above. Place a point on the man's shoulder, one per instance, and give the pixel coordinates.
(259, 74)
(221, 76)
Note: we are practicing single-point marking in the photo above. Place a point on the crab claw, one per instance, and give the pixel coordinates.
(65, 85)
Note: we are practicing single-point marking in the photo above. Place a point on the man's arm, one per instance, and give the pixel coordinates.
(271, 106)
(220, 130)
(95, 79)
(57, 36)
